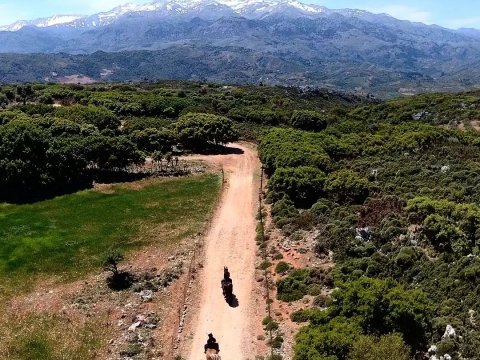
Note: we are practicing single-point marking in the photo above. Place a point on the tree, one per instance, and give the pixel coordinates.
(382, 307)
(152, 140)
(111, 261)
(118, 280)
(25, 92)
(3, 101)
(10, 95)
(199, 131)
(110, 153)
(98, 116)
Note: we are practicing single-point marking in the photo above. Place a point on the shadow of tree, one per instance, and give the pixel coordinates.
(121, 281)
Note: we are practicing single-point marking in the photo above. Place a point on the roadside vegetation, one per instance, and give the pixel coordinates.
(394, 198)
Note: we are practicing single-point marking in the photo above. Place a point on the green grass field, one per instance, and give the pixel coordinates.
(66, 237)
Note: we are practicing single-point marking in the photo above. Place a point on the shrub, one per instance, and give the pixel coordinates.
(265, 265)
(300, 316)
(388, 347)
(314, 290)
(406, 257)
(276, 342)
(282, 267)
(269, 324)
(275, 357)
(347, 186)
(293, 287)
(309, 120)
(320, 301)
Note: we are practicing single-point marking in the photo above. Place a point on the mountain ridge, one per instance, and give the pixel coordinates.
(276, 42)
(180, 7)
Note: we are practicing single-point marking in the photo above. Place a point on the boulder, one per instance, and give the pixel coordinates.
(362, 234)
(449, 332)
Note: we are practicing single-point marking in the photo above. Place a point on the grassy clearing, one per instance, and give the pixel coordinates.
(50, 337)
(66, 237)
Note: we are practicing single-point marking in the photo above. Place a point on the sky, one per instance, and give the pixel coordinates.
(448, 13)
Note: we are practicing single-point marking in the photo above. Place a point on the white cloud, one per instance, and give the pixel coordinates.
(405, 12)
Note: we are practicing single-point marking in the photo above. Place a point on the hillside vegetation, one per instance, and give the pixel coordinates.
(391, 194)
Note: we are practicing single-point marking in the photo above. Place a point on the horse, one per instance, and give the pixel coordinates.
(212, 354)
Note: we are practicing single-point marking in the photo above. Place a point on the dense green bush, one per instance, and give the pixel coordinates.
(406, 257)
(365, 306)
(330, 340)
(309, 120)
(100, 117)
(347, 186)
(291, 148)
(282, 267)
(302, 184)
(301, 282)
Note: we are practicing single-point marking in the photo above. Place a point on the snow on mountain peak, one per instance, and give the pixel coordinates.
(241, 7)
(43, 22)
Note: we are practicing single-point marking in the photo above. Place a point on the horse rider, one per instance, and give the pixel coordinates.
(212, 343)
(226, 273)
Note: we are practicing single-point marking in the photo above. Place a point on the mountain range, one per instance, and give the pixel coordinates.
(282, 42)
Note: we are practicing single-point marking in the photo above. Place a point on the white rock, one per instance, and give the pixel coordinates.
(146, 294)
(449, 332)
(471, 316)
(432, 349)
(362, 233)
(445, 168)
(134, 326)
(447, 357)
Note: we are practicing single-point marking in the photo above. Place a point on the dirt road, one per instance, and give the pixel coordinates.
(231, 242)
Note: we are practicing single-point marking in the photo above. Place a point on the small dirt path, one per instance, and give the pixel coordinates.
(230, 241)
